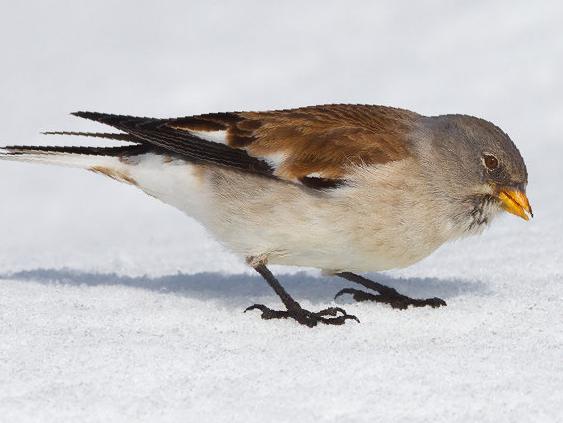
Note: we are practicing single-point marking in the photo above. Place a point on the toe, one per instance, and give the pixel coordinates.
(268, 313)
(260, 307)
(331, 311)
(436, 302)
(305, 317)
(344, 291)
(340, 320)
(357, 294)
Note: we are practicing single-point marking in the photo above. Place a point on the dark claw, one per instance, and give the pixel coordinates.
(434, 302)
(256, 306)
(395, 300)
(268, 313)
(331, 311)
(340, 320)
(357, 294)
(305, 317)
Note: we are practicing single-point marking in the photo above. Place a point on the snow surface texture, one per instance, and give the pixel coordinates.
(115, 307)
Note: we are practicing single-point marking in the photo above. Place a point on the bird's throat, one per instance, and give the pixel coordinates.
(484, 209)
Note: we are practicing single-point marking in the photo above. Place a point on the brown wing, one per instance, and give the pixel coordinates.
(320, 142)
(315, 145)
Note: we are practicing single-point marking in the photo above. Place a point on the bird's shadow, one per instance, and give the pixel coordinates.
(242, 289)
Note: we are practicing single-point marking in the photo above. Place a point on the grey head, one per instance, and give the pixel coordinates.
(474, 164)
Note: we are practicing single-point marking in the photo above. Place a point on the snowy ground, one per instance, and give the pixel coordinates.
(114, 307)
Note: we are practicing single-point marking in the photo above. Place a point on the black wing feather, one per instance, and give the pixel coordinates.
(156, 132)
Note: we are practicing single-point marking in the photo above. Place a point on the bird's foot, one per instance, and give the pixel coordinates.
(328, 316)
(393, 298)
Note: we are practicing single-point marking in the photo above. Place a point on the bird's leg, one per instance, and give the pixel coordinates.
(385, 294)
(293, 310)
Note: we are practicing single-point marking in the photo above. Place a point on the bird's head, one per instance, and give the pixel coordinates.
(478, 164)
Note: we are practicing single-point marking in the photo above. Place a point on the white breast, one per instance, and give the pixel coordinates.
(380, 222)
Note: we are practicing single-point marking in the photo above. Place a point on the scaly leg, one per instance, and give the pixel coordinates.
(293, 310)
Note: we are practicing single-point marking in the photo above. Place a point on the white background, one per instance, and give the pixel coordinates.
(105, 314)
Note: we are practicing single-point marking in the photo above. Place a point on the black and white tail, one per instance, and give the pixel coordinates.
(152, 169)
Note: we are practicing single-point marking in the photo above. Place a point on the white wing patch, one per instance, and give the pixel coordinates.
(275, 160)
(213, 136)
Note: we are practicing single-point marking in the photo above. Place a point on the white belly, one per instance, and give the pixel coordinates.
(346, 229)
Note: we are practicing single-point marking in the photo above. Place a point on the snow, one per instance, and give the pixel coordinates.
(115, 307)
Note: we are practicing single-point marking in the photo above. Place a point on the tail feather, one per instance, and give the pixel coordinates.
(106, 135)
(81, 157)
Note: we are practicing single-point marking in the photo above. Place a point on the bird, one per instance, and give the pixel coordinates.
(344, 188)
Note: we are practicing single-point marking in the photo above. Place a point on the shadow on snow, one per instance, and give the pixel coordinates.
(243, 289)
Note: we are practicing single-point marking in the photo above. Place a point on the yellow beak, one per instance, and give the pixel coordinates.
(515, 202)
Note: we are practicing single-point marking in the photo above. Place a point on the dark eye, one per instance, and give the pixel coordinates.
(490, 161)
